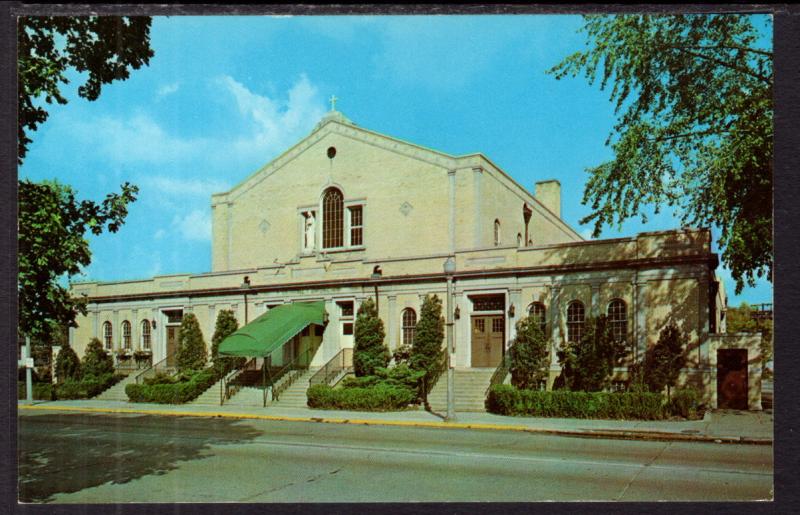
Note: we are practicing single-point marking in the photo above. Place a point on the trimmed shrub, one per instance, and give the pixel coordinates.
(226, 325)
(177, 392)
(87, 387)
(41, 391)
(528, 354)
(508, 400)
(400, 376)
(68, 366)
(369, 351)
(663, 362)
(96, 361)
(191, 353)
(685, 402)
(381, 397)
(426, 349)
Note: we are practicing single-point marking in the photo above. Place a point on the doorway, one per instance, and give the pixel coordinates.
(732, 379)
(488, 333)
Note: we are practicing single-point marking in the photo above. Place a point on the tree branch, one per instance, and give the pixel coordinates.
(720, 62)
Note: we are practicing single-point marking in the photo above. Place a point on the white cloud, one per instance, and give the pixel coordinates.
(167, 89)
(276, 124)
(181, 187)
(194, 226)
(586, 234)
(159, 234)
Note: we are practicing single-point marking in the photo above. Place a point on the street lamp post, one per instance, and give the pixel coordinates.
(246, 288)
(449, 270)
(377, 273)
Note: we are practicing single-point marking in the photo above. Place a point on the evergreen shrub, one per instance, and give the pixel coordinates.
(369, 351)
(96, 361)
(426, 349)
(41, 391)
(226, 325)
(588, 365)
(68, 366)
(191, 353)
(380, 397)
(168, 392)
(528, 354)
(508, 400)
(663, 361)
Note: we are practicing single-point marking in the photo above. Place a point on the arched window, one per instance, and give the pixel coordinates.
(539, 312)
(519, 239)
(145, 334)
(575, 321)
(107, 335)
(618, 318)
(409, 324)
(126, 334)
(496, 232)
(332, 219)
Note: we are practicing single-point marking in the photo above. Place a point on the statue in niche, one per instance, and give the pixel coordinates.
(309, 232)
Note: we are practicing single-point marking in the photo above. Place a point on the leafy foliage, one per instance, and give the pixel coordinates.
(693, 94)
(106, 47)
(588, 365)
(663, 361)
(87, 387)
(528, 354)
(505, 399)
(52, 225)
(173, 390)
(369, 351)
(426, 349)
(226, 325)
(380, 397)
(96, 361)
(68, 366)
(191, 354)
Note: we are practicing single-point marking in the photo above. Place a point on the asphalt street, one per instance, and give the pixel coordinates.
(103, 458)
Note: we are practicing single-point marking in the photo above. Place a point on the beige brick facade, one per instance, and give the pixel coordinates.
(418, 207)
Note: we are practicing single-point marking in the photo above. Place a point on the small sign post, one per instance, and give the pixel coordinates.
(27, 362)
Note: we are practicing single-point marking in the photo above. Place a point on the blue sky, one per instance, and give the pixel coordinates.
(224, 95)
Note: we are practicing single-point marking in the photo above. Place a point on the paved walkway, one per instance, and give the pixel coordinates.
(724, 426)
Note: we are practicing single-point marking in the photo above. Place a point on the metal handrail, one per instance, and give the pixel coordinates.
(500, 372)
(292, 371)
(226, 387)
(139, 377)
(342, 361)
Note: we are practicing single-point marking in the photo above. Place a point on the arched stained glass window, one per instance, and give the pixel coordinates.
(409, 324)
(332, 219)
(107, 335)
(576, 317)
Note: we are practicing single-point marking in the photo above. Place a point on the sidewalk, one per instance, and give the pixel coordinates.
(721, 426)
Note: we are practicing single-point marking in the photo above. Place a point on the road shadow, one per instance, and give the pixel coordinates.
(65, 453)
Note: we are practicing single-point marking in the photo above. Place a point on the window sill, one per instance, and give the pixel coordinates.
(338, 250)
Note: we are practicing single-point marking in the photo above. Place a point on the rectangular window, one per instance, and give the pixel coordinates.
(174, 316)
(488, 303)
(356, 225)
(347, 328)
(346, 308)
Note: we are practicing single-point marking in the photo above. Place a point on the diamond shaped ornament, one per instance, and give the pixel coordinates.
(406, 208)
(263, 226)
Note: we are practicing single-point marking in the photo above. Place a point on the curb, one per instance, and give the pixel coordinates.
(619, 434)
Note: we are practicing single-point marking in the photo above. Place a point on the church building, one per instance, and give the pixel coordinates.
(348, 214)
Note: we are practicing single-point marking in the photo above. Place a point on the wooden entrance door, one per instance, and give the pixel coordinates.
(172, 344)
(488, 335)
(732, 378)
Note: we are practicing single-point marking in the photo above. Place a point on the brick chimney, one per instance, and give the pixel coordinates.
(549, 194)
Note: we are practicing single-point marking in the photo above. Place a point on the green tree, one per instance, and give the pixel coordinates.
(52, 248)
(588, 365)
(96, 361)
(369, 351)
(740, 320)
(528, 354)
(68, 366)
(426, 348)
(52, 222)
(191, 354)
(105, 47)
(226, 325)
(663, 361)
(693, 94)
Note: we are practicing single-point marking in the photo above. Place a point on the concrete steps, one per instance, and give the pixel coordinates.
(247, 397)
(209, 397)
(117, 392)
(295, 395)
(470, 390)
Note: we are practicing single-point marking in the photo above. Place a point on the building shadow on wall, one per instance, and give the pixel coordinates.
(67, 453)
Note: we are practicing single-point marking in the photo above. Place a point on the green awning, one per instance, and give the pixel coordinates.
(272, 329)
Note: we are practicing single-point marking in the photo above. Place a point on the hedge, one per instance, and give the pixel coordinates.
(380, 397)
(173, 392)
(87, 387)
(507, 400)
(41, 391)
